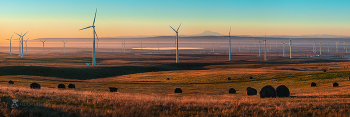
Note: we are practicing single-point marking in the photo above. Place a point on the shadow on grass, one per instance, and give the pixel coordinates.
(29, 109)
(95, 72)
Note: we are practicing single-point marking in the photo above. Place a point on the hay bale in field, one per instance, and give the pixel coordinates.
(251, 91)
(71, 86)
(113, 89)
(35, 86)
(267, 91)
(167, 78)
(232, 91)
(178, 90)
(335, 84)
(61, 86)
(250, 77)
(247, 88)
(324, 70)
(313, 84)
(282, 91)
(11, 82)
(228, 78)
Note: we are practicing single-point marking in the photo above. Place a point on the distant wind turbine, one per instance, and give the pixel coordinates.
(344, 44)
(290, 48)
(141, 45)
(346, 48)
(93, 42)
(229, 42)
(64, 46)
(43, 46)
(336, 47)
(158, 45)
(259, 48)
(284, 54)
(177, 43)
(10, 43)
(265, 47)
(239, 46)
(21, 40)
(328, 47)
(320, 49)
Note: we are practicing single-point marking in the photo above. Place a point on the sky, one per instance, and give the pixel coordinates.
(64, 18)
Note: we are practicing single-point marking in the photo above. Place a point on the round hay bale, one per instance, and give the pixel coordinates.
(250, 77)
(71, 86)
(113, 89)
(251, 91)
(335, 84)
(282, 91)
(267, 91)
(228, 78)
(61, 86)
(167, 78)
(11, 82)
(35, 86)
(247, 88)
(178, 90)
(313, 84)
(232, 91)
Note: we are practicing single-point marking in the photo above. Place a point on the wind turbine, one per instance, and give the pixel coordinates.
(284, 54)
(213, 47)
(21, 41)
(239, 46)
(290, 48)
(276, 45)
(328, 47)
(313, 47)
(336, 47)
(259, 48)
(93, 42)
(320, 49)
(10, 43)
(64, 46)
(344, 44)
(43, 46)
(265, 47)
(229, 42)
(26, 45)
(158, 45)
(346, 48)
(141, 45)
(177, 43)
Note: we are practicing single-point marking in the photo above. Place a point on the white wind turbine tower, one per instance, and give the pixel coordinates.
(43, 46)
(336, 47)
(276, 45)
(284, 54)
(259, 48)
(320, 49)
(10, 43)
(229, 42)
(141, 45)
(239, 46)
(177, 43)
(290, 48)
(328, 47)
(313, 47)
(64, 46)
(26, 46)
(346, 48)
(93, 43)
(265, 47)
(21, 41)
(344, 44)
(158, 45)
(213, 47)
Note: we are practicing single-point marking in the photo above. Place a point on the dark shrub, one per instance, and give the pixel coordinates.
(282, 91)
(167, 78)
(335, 84)
(228, 78)
(35, 86)
(178, 90)
(267, 91)
(61, 86)
(232, 91)
(71, 86)
(251, 91)
(11, 82)
(313, 84)
(113, 89)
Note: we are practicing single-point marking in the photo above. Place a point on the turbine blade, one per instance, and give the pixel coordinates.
(93, 23)
(86, 27)
(178, 28)
(24, 34)
(172, 28)
(18, 34)
(11, 37)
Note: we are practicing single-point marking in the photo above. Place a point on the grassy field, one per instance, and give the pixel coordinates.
(144, 91)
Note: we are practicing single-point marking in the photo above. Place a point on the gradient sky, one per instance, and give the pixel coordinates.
(64, 18)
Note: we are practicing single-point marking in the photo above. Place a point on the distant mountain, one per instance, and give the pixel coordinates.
(208, 33)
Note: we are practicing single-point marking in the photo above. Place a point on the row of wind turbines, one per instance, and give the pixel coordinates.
(177, 44)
